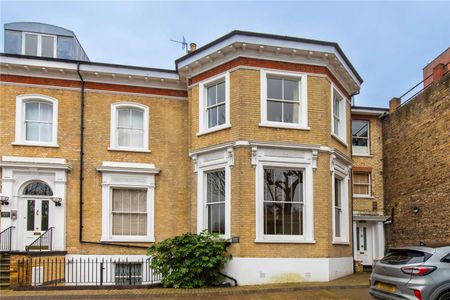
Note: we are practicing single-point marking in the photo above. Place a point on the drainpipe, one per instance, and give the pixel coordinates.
(81, 149)
(81, 170)
(351, 185)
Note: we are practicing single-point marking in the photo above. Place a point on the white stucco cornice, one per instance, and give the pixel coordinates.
(91, 72)
(271, 47)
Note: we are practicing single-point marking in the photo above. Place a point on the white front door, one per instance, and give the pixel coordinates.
(363, 243)
(36, 219)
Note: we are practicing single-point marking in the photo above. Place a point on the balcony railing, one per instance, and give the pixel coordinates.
(79, 272)
(43, 242)
(5, 239)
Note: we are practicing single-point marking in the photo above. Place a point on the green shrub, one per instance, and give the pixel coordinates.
(190, 260)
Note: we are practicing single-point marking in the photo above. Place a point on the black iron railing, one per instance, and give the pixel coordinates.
(5, 239)
(60, 271)
(43, 242)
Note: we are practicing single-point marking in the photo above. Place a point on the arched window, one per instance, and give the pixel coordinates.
(36, 120)
(37, 188)
(129, 127)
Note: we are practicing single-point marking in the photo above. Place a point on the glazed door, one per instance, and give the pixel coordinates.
(363, 245)
(36, 219)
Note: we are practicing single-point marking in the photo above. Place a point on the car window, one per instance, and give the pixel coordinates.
(405, 256)
(446, 259)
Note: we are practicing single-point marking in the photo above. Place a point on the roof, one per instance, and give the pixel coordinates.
(272, 36)
(368, 110)
(87, 62)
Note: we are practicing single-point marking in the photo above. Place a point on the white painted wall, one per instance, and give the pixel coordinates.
(253, 270)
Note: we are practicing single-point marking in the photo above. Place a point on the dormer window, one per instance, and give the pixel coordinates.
(36, 44)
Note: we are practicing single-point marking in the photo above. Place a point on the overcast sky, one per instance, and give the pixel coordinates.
(388, 42)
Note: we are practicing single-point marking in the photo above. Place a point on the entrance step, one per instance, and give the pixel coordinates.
(4, 270)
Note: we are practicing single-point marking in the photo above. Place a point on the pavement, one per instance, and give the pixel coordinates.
(351, 287)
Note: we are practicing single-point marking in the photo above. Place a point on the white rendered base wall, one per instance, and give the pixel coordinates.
(254, 270)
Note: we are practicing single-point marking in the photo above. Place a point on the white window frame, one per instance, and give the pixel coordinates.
(303, 99)
(114, 142)
(206, 163)
(119, 175)
(356, 149)
(202, 103)
(340, 171)
(296, 160)
(20, 134)
(369, 195)
(39, 42)
(342, 130)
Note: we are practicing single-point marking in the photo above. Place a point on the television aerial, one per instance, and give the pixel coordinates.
(184, 44)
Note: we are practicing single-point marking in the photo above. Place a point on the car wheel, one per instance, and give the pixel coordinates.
(445, 296)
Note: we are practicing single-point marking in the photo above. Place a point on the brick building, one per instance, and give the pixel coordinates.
(416, 162)
(249, 137)
(368, 193)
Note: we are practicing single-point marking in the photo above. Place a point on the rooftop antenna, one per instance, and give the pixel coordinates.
(184, 44)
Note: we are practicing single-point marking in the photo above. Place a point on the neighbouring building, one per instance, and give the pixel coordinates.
(368, 194)
(416, 164)
(250, 136)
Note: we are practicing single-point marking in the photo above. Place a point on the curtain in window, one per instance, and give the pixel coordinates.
(38, 121)
(129, 212)
(130, 128)
(361, 183)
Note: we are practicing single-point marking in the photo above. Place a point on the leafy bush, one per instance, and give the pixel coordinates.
(190, 260)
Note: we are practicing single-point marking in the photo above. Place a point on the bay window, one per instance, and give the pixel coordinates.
(215, 201)
(214, 104)
(283, 201)
(339, 116)
(283, 99)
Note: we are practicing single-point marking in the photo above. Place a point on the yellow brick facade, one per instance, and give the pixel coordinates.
(375, 162)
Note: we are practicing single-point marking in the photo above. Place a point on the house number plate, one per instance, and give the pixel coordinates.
(6, 214)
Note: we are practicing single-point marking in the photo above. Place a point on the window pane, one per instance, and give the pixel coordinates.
(290, 112)
(32, 131)
(215, 186)
(221, 92)
(361, 178)
(360, 129)
(128, 273)
(216, 218)
(212, 117)
(137, 119)
(38, 189)
(336, 106)
(274, 111)
(30, 215)
(46, 112)
(336, 126)
(31, 44)
(221, 114)
(211, 95)
(361, 189)
(137, 138)
(44, 213)
(274, 88)
(32, 111)
(124, 137)
(283, 218)
(45, 134)
(337, 224)
(337, 192)
(124, 118)
(291, 90)
(47, 46)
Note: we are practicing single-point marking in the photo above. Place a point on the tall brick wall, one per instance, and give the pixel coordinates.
(417, 168)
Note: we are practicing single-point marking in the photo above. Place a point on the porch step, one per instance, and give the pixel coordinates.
(4, 270)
